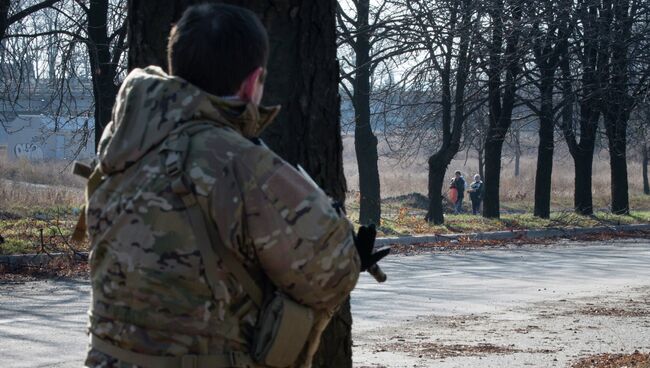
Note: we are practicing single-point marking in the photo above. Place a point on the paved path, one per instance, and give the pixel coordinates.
(435, 310)
(533, 306)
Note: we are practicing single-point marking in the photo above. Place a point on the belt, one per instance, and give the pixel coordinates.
(234, 359)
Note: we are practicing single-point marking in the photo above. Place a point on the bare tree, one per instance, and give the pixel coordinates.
(625, 80)
(550, 32)
(367, 33)
(503, 70)
(7, 19)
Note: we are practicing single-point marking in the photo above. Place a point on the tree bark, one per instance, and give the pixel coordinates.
(491, 205)
(103, 69)
(437, 170)
(545, 150)
(303, 78)
(583, 201)
(365, 141)
(517, 151)
(646, 157)
(616, 128)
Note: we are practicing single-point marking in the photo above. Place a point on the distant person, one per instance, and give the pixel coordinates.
(458, 183)
(476, 194)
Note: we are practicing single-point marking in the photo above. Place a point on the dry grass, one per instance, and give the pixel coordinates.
(400, 178)
(26, 187)
(56, 173)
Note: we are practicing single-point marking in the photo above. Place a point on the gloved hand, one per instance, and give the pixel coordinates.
(364, 240)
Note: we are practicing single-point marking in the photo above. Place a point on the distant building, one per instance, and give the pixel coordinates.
(43, 125)
(40, 137)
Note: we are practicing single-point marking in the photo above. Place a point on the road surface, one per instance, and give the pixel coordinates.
(526, 307)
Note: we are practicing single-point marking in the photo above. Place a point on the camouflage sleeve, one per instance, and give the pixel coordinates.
(303, 245)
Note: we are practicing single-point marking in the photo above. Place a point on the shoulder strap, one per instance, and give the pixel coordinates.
(209, 242)
(94, 177)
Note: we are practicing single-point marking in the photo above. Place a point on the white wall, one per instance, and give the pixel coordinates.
(32, 137)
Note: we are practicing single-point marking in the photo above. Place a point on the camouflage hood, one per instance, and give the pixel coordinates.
(150, 104)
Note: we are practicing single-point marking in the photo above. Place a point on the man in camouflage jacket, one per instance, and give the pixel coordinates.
(149, 290)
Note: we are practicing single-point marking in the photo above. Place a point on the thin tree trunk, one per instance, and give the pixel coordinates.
(517, 162)
(365, 141)
(303, 77)
(481, 164)
(517, 151)
(545, 151)
(644, 165)
(365, 145)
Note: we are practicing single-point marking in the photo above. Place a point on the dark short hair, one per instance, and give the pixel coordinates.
(216, 46)
(458, 172)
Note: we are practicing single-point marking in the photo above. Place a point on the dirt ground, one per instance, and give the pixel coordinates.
(552, 334)
(553, 320)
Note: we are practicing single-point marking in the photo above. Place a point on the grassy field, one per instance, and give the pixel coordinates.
(39, 203)
(407, 175)
(406, 220)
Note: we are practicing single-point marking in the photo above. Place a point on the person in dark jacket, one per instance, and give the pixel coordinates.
(458, 182)
(476, 194)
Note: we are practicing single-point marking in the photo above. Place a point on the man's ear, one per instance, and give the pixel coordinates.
(250, 85)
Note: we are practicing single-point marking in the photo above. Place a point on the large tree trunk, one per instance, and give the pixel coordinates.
(545, 151)
(303, 78)
(582, 190)
(365, 141)
(102, 65)
(491, 204)
(437, 170)
(617, 142)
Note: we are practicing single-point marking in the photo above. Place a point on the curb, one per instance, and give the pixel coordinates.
(14, 262)
(513, 234)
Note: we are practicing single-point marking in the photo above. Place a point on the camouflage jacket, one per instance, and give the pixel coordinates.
(149, 291)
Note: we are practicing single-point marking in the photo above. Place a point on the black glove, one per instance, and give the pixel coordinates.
(364, 240)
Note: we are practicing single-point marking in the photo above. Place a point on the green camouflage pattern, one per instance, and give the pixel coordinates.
(149, 291)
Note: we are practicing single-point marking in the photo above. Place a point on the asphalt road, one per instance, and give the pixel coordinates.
(455, 309)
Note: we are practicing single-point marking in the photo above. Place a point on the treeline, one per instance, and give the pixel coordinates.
(451, 73)
(443, 75)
